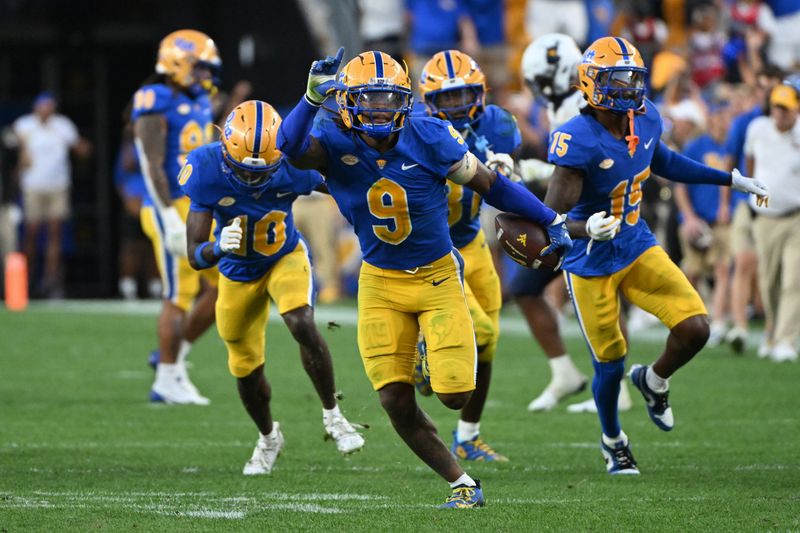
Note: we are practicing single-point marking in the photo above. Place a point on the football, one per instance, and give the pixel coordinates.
(523, 239)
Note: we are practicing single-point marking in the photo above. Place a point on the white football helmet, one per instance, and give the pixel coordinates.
(550, 66)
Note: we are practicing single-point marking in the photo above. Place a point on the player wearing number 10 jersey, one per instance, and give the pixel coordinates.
(387, 172)
(244, 184)
(602, 157)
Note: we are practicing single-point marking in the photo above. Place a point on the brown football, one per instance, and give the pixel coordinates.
(523, 239)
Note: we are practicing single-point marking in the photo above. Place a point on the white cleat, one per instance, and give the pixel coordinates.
(169, 388)
(783, 352)
(267, 450)
(764, 348)
(717, 334)
(624, 403)
(347, 439)
(737, 338)
(557, 390)
(183, 378)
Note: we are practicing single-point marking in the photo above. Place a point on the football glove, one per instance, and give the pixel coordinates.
(602, 228)
(750, 185)
(174, 231)
(535, 170)
(230, 237)
(322, 78)
(501, 163)
(560, 240)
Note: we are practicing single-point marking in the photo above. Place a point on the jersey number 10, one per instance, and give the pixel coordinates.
(269, 234)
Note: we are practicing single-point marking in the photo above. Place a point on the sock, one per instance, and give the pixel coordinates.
(463, 480)
(467, 430)
(271, 435)
(154, 288)
(183, 351)
(605, 388)
(655, 382)
(612, 442)
(127, 288)
(562, 365)
(166, 372)
(328, 414)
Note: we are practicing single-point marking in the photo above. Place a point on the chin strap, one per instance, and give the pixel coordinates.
(632, 138)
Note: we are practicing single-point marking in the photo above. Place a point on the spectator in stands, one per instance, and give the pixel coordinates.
(772, 148)
(751, 26)
(558, 16)
(45, 140)
(639, 24)
(382, 25)
(488, 18)
(136, 260)
(744, 284)
(704, 238)
(706, 40)
(601, 14)
(784, 48)
(436, 25)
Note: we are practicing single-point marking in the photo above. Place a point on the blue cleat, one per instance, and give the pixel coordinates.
(422, 374)
(464, 497)
(657, 402)
(154, 358)
(475, 450)
(619, 459)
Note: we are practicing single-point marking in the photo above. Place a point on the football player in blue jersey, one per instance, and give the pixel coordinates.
(387, 172)
(602, 157)
(171, 117)
(243, 184)
(453, 88)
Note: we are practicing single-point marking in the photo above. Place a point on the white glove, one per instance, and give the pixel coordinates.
(750, 185)
(602, 228)
(501, 163)
(174, 232)
(231, 236)
(535, 170)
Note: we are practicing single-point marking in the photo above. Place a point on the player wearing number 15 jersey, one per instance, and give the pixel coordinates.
(244, 185)
(602, 157)
(387, 172)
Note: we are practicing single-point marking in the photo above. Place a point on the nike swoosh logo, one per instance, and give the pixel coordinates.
(406, 167)
(437, 283)
(648, 143)
(282, 194)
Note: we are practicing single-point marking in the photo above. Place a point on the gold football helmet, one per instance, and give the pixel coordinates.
(376, 97)
(612, 75)
(453, 88)
(182, 51)
(249, 141)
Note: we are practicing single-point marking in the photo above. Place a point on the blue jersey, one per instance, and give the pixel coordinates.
(267, 221)
(612, 183)
(189, 125)
(395, 200)
(703, 197)
(497, 131)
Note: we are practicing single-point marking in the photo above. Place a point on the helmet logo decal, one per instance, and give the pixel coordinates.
(184, 44)
(589, 57)
(552, 55)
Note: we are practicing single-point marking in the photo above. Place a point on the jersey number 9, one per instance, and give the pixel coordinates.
(388, 201)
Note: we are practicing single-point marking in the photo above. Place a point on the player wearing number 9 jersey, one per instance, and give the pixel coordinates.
(387, 172)
(602, 157)
(243, 183)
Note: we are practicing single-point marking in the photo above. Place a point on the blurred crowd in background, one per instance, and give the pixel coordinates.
(712, 64)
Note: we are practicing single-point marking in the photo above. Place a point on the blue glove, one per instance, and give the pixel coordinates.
(322, 78)
(560, 240)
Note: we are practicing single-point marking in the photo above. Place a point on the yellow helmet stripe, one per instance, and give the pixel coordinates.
(259, 120)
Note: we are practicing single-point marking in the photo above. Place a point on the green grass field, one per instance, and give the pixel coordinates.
(81, 448)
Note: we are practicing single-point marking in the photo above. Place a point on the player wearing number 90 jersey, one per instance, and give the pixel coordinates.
(602, 157)
(243, 183)
(387, 172)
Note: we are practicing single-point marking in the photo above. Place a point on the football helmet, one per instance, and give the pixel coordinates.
(453, 88)
(375, 96)
(612, 75)
(182, 51)
(550, 66)
(249, 141)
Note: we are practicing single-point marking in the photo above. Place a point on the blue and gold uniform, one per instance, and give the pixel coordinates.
(188, 126)
(632, 262)
(272, 260)
(411, 278)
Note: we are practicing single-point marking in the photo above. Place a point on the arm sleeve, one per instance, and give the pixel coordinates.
(293, 134)
(677, 167)
(514, 198)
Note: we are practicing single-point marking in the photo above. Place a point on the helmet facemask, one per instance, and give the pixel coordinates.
(619, 88)
(378, 111)
(462, 106)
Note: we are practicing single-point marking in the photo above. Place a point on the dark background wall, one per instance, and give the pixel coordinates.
(94, 55)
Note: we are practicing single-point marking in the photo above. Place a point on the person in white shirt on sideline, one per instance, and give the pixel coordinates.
(45, 141)
(772, 148)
